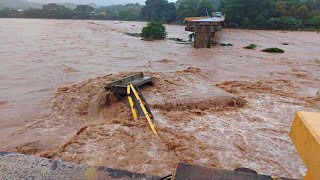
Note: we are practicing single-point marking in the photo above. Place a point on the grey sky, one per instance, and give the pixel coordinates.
(98, 2)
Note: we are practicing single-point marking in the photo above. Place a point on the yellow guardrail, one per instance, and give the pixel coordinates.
(131, 104)
(142, 105)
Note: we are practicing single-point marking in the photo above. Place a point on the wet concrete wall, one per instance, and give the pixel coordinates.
(18, 166)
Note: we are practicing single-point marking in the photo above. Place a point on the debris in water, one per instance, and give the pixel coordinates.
(226, 44)
(273, 50)
(251, 46)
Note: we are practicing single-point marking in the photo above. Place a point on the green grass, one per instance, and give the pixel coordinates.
(273, 50)
(251, 46)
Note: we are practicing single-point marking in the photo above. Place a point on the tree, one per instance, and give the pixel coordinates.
(122, 12)
(313, 4)
(285, 22)
(187, 8)
(170, 14)
(238, 10)
(50, 7)
(254, 14)
(193, 8)
(259, 22)
(203, 7)
(302, 12)
(246, 23)
(10, 13)
(83, 11)
(159, 10)
(215, 4)
(55, 11)
(313, 23)
(280, 9)
(154, 30)
(34, 13)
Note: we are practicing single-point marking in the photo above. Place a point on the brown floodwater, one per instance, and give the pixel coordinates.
(39, 56)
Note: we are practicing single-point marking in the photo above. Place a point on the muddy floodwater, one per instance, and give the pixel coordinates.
(224, 107)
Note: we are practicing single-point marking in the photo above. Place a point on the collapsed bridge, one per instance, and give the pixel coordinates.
(204, 29)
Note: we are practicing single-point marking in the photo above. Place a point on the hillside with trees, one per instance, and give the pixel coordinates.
(272, 14)
(127, 12)
(19, 4)
(253, 14)
(159, 10)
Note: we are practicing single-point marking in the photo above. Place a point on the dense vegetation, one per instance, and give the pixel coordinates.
(273, 14)
(127, 12)
(16, 4)
(159, 10)
(154, 30)
(254, 14)
(55, 11)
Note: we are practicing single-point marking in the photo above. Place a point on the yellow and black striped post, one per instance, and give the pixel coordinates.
(131, 104)
(131, 89)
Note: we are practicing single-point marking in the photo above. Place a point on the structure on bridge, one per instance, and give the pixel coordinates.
(204, 28)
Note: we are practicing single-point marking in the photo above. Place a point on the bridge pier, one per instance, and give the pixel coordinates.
(202, 40)
(204, 31)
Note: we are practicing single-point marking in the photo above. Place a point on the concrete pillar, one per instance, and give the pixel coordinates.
(202, 40)
(212, 37)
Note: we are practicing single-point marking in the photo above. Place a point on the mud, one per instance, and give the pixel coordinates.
(223, 107)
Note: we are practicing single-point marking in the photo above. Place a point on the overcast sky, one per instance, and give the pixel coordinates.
(98, 2)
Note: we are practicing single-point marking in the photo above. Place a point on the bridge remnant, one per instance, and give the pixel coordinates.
(204, 29)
